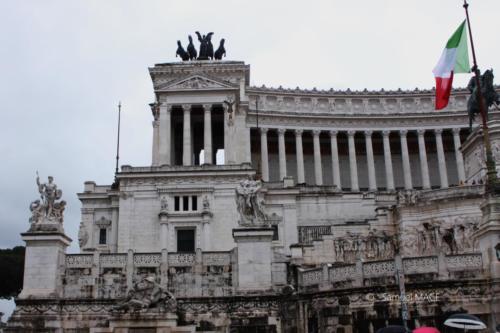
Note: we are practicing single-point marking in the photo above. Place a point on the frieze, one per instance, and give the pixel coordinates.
(147, 260)
(312, 277)
(216, 258)
(113, 260)
(464, 262)
(420, 265)
(181, 259)
(378, 268)
(79, 260)
(342, 273)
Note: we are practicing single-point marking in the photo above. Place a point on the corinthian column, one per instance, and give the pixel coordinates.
(335, 159)
(164, 144)
(443, 175)
(406, 160)
(424, 167)
(207, 137)
(264, 159)
(389, 176)
(370, 161)
(458, 155)
(187, 148)
(300, 157)
(352, 161)
(318, 170)
(282, 152)
(156, 142)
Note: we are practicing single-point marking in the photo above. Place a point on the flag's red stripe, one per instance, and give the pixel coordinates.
(443, 90)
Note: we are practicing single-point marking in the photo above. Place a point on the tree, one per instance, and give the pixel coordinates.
(11, 271)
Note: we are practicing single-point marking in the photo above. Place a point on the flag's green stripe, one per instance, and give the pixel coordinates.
(455, 38)
(462, 63)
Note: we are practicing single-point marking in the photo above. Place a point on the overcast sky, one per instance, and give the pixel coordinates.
(66, 64)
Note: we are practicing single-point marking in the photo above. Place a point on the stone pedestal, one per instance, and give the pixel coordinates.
(254, 257)
(43, 264)
(148, 322)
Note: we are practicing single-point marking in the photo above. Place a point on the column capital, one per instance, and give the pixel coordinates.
(351, 133)
(456, 130)
(156, 123)
(207, 107)
(438, 131)
(316, 132)
(186, 107)
(421, 131)
(386, 133)
(298, 132)
(403, 132)
(368, 133)
(333, 133)
(281, 131)
(263, 130)
(165, 106)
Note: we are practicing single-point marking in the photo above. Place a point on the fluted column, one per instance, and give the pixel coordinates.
(187, 148)
(406, 160)
(300, 157)
(165, 134)
(443, 175)
(424, 166)
(264, 159)
(282, 152)
(353, 166)
(372, 181)
(156, 142)
(458, 155)
(335, 159)
(207, 134)
(318, 170)
(389, 175)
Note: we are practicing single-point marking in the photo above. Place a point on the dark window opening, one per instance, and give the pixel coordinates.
(185, 203)
(176, 204)
(102, 235)
(185, 240)
(194, 203)
(276, 235)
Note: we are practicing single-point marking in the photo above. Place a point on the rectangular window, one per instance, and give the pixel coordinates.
(102, 235)
(276, 235)
(194, 203)
(185, 240)
(176, 204)
(185, 204)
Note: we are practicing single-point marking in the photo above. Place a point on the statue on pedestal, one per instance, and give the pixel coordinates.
(147, 294)
(488, 91)
(48, 209)
(249, 204)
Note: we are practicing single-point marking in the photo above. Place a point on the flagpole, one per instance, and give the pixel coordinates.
(118, 138)
(490, 163)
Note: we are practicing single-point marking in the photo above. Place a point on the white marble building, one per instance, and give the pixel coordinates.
(357, 187)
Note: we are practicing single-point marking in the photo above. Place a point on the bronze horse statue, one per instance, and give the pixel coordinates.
(490, 96)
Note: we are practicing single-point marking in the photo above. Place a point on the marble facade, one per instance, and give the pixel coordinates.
(357, 187)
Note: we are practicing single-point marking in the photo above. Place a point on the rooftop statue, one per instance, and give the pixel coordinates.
(249, 204)
(48, 209)
(206, 49)
(488, 91)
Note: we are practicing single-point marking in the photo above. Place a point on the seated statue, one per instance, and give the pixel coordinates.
(147, 294)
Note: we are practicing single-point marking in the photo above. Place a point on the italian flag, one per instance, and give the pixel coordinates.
(454, 59)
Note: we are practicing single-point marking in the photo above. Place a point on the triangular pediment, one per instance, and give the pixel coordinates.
(195, 82)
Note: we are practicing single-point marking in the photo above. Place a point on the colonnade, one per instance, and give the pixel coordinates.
(353, 160)
(162, 128)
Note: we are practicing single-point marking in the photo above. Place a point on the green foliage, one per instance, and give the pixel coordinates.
(11, 271)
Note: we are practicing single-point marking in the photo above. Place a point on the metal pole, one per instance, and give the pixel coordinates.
(118, 138)
(491, 180)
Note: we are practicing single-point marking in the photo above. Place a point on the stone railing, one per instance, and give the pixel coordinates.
(456, 192)
(109, 276)
(183, 168)
(308, 234)
(383, 272)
